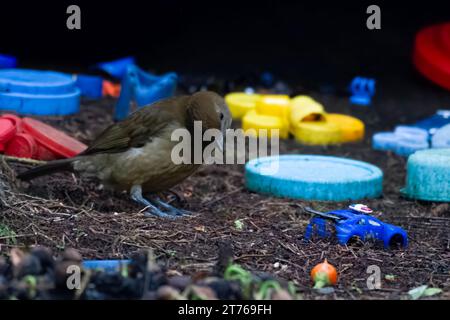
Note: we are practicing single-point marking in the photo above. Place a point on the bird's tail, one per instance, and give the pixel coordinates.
(48, 168)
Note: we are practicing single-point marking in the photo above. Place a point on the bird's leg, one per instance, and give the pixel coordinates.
(171, 209)
(136, 195)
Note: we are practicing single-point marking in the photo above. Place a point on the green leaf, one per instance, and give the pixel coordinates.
(432, 291)
(238, 224)
(423, 291)
(416, 293)
(390, 277)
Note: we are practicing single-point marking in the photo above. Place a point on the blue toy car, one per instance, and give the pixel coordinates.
(355, 223)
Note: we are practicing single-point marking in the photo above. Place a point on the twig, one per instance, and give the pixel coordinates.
(23, 160)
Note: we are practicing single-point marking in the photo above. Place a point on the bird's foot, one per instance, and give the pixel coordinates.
(171, 210)
(165, 210)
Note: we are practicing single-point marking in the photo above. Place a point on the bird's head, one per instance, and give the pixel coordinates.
(211, 109)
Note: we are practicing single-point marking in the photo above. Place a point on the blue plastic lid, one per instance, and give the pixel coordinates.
(441, 138)
(313, 177)
(38, 92)
(7, 61)
(428, 175)
(106, 265)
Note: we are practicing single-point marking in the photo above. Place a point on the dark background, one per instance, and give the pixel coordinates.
(308, 41)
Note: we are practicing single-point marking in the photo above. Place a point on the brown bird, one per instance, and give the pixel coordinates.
(135, 154)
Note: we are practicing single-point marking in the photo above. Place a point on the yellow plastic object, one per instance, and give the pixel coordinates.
(317, 132)
(352, 129)
(304, 108)
(240, 103)
(256, 121)
(333, 129)
(276, 105)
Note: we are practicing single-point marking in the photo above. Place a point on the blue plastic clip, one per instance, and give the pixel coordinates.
(7, 61)
(362, 90)
(144, 88)
(117, 68)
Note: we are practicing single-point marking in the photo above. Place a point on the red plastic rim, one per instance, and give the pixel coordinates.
(7, 130)
(432, 54)
(22, 145)
(53, 139)
(15, 119)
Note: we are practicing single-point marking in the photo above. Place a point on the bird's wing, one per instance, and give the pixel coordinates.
(133, 132)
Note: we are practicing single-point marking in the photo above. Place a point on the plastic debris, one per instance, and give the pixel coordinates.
(7, 61)
(311, 177)
(30, 138)
(144, 88)
(90, 86)
(117, 68)
(428, 175)
(35, 92)
(362, 91)
(354, 222)
(441, 139)
(432, 53)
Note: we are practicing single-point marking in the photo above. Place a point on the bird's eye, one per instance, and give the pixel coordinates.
(221, 116)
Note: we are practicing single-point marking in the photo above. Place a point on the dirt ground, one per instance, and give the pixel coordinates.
(62, 211)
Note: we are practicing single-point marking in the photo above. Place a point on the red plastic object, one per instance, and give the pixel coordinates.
(432, 53)
(7, 130)
(15, 119)
(53, 139)
(110, 89)
(23, 146)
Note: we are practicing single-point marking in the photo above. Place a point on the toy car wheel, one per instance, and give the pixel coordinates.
(396, 241)
(355, 241)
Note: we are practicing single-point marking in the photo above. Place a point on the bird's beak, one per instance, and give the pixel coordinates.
(220, 143)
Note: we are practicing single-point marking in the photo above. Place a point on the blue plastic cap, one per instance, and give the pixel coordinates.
(7, 61)
(428, 175)
(117, 68)
(311, 177)
(38, 92)
(90, 86)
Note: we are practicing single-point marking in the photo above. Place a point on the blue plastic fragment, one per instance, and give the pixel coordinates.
(385, 141)
(413, 133)
(362, 91)
(7, 61)
(144, 88)
(106, 265)
(405, 140)
(90, 86)
(117, 68)
(406, 147)
(36, 92)
(441, 139)
(313, 177)
(436, 121)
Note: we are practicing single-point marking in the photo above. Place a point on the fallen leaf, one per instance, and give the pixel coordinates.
(423, 291)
